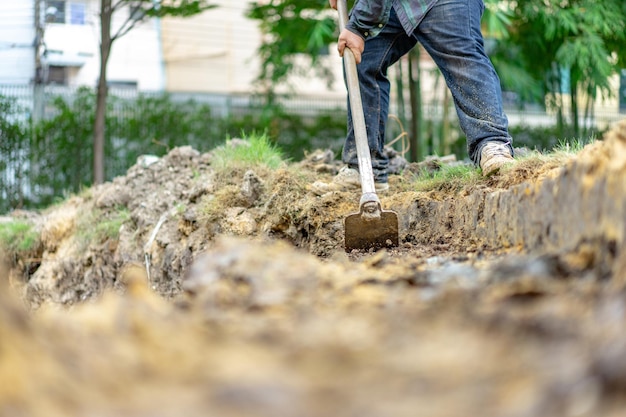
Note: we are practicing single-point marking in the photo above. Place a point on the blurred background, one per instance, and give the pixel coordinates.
(84, 91)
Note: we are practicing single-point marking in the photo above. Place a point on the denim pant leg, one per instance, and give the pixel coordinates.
(451, 34)
(380, 53)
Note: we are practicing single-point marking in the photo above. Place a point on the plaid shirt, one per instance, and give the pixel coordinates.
(368, 17)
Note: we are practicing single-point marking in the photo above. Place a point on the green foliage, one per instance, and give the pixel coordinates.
(174, 8)
(255, 150)
(52, 158)
(293, 29)
(569, 47)
(14, 150)
(18, 237)
(295, 134)
(60, 153)
(160, 124)
(548, 138)
(496, 19)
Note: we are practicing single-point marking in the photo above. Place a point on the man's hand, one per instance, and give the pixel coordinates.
(348, 39)
(333, 4)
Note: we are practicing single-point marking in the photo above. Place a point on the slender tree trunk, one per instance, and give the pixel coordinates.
(416, 140)
(589, 114)
(400, 95)
(445, 122)
(102, 92)
(557, 92)
(573, 91)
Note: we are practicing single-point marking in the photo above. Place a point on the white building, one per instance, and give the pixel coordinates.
(17, 41)
(69, 46)
(214, 52)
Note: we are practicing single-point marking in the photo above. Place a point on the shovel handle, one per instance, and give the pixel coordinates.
(358, 118)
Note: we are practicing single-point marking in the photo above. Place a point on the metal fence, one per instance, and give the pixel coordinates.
(43, 156)
(46, 132)
(35, 100)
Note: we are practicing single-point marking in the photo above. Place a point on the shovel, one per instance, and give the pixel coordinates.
(372, 227)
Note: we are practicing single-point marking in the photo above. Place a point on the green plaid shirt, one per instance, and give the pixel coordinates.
(368, 17)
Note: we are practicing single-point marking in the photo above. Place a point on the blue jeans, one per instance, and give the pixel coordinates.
(450, 33)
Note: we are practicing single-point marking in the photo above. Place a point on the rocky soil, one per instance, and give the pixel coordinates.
(229, 293)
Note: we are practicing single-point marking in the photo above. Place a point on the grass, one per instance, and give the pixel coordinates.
(256, 150)
(97, 226)
(456, 177)
(230, 161)
(449, 177)
(571, 147)
(110, 227)
(18, 236)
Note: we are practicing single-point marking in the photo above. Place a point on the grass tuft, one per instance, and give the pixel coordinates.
(449, 177)
(253, 150)
(97, 226)
(571, 147)
(18, 236)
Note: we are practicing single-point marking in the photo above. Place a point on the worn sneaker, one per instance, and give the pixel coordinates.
(494, 156)
(347, 179)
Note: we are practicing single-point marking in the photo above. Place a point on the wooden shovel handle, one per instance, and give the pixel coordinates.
(358, 118)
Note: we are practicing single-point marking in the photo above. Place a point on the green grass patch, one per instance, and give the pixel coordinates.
(98, 227)
(449, 177)
(255, 150)
(18, 236)
(571, 147)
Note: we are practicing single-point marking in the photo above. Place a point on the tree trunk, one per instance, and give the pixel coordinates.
(400, 95)
(102, 92)
(573, 91)
(445, 123)
(557, 92)
(416, 142)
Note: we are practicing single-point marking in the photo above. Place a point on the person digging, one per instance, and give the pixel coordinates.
(379, 33)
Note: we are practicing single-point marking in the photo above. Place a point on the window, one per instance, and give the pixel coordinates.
(71, 12)
(77, 14)
(57, 75)
(55, 11)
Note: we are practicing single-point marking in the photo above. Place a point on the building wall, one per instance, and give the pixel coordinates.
(216, 52)
(17, 35)
(211, 52)
(135, 58)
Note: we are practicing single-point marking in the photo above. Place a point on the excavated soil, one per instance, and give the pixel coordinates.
(227, 292)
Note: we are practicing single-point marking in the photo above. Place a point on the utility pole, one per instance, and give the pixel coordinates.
(39, 76)
(163, 82)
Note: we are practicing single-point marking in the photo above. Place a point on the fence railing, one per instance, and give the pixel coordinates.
(46, 131)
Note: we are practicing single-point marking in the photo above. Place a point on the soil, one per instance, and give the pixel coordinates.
(228, 292)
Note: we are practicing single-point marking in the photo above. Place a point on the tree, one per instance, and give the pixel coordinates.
(137, 12)
(296, 28)
(547, 51)
(292, 29)
(572, 48)
(498, 24)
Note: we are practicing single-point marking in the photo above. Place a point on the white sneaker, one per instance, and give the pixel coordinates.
(494, 156)
(347, 179)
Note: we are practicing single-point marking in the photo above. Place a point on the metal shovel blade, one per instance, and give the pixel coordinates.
(364, 233)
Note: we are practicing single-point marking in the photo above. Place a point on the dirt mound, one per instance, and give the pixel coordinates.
(182, 289)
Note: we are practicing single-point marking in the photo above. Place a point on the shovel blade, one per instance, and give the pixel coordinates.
(362, 233)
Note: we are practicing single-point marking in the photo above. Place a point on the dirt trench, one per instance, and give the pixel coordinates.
(229, 293)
